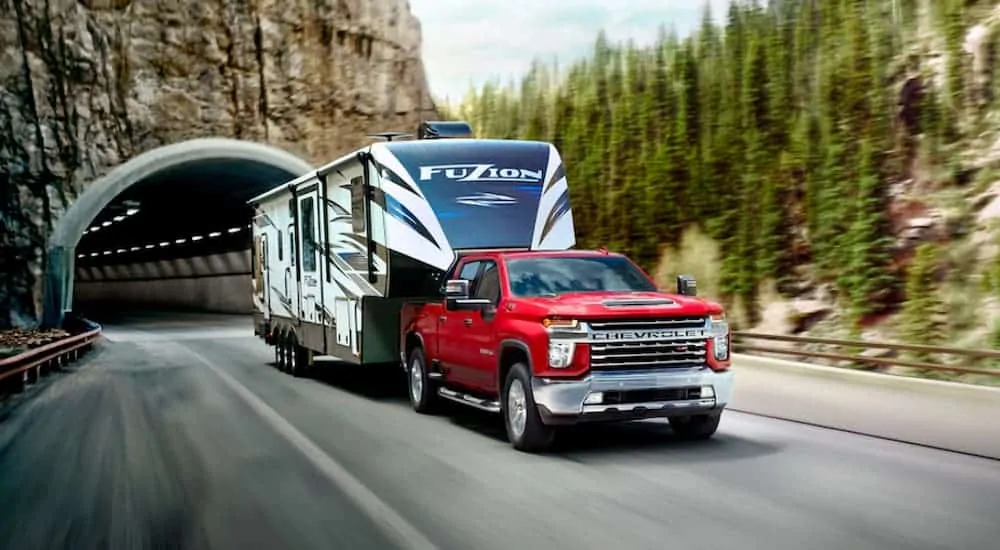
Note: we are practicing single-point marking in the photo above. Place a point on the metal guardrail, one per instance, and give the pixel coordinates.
(974, 355)
(25, 368)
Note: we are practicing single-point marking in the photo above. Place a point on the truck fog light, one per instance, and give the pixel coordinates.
(594, 399)
(707, 391)
(720, 347)
(561, 354)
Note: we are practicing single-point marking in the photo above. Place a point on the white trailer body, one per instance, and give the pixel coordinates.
(339, 250)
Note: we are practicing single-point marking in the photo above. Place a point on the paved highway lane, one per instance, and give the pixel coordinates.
(176, 437)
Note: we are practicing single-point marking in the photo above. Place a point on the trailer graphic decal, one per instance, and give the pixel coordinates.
(396, 209)
(471, 185)
(285, 301)
(559, 209)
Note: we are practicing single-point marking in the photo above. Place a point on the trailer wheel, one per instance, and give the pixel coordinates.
(281, 352)
(525, 428)
(300, 362)
(422, 390)
(695, 427)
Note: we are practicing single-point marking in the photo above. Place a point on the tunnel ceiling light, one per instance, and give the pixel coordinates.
(107, 223)
(95, 228)
(164, 244)
(131, 211)
(118, 218)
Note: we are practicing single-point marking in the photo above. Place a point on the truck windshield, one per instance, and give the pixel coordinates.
(554, 276)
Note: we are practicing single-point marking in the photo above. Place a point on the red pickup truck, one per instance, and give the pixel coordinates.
(550, 338)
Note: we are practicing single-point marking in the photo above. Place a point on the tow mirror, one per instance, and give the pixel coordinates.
(686, 285)
(456, 289)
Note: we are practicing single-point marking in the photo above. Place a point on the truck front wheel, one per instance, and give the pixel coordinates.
(525, 428)
(423, 393)
(695, 427)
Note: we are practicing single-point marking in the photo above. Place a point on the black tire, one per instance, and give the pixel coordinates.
(297, 357)
(421, 389)
(695, 427)
(303, 361)
(534, 436)
(281, 352)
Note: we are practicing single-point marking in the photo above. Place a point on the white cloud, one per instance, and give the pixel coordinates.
(471, 41)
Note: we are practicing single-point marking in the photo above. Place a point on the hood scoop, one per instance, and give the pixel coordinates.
(632, 302)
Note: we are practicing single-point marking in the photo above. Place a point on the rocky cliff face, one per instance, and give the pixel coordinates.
(87, 84)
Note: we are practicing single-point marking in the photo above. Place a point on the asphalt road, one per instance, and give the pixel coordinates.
(181, 435)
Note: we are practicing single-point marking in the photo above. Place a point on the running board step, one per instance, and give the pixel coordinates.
(466, 399)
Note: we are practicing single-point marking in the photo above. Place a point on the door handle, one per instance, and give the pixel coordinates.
(467, 322)
(442, 319)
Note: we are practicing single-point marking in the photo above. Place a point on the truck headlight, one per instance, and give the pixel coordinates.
(720, 336)
(561, 354)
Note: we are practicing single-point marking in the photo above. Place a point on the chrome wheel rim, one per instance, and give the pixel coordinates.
(517, 414)
(416, 380)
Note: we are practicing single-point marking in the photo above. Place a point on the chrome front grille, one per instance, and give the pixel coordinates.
(646, 354)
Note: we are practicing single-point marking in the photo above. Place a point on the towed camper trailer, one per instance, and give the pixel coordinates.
(338, 251)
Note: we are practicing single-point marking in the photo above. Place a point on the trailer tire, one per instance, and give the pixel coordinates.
(421, 389)
(696, 427)
(298, 358)
(525, 429)
(281, 350)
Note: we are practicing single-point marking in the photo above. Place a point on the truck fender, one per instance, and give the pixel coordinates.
(412, 334)
(507, 345)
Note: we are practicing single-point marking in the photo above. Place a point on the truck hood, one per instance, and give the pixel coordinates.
(583, 305)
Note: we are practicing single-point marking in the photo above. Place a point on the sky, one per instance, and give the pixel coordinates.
(468, 42)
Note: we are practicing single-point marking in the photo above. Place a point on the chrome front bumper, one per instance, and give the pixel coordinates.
(566, 401)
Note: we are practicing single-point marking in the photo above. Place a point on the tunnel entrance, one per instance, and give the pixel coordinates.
(168, 229)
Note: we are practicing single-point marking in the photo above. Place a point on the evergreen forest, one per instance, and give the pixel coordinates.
(778, 129)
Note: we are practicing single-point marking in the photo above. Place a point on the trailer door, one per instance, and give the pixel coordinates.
(309, 255)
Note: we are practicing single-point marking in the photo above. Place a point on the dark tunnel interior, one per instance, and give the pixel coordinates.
(182, 230)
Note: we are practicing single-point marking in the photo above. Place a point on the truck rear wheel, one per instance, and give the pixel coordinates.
(525, 428)
(695, 427)
(422, 390)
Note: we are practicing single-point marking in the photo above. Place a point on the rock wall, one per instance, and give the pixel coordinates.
(87, 84)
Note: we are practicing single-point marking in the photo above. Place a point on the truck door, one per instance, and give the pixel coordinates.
(478, 332)
(454, 353)
(309, 256)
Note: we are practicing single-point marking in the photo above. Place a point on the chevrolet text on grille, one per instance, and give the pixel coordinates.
(675, 334)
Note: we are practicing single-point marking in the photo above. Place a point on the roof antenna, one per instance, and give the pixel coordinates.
(389, 136)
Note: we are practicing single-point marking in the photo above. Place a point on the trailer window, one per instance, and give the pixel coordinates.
(292, 249)
(358, 205)
(281, 247)
(308, 215)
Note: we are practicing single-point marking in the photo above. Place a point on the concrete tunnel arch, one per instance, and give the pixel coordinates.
(61, 248)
